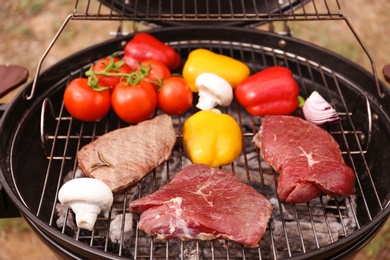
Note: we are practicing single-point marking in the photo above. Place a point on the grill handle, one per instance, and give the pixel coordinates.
(386, 72)
(12, 76)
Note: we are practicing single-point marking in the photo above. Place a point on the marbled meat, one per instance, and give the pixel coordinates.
(205, 203)
(122, 157)
(307, 157)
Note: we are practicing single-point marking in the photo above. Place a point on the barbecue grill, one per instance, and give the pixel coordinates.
(41, 139)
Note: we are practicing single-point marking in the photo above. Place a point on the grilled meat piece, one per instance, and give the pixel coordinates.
(308, 158)
(124, 156)
(205, 203)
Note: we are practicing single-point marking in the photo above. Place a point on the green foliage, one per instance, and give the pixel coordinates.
(33, 7)
(378, 244)
(14, 224)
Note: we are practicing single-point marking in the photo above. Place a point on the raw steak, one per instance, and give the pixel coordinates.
(205, 203)
(308, 158)
(130, 153)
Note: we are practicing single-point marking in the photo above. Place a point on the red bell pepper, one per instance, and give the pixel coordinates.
(272, 91)
(144, 46)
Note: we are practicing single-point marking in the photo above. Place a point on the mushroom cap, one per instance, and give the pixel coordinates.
(86, 190)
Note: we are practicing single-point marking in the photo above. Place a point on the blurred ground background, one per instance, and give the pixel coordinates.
(27, 27)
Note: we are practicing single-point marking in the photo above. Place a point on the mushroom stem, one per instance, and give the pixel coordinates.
(86, 214)
(207, 102)
(86, 220)
(213, 91)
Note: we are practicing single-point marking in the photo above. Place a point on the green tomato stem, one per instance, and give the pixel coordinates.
(131, 78)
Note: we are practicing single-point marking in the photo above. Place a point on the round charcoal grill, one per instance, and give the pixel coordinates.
(41, 139)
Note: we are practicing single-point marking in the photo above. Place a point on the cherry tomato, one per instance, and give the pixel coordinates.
(157, 74)
(134, 103)
(84, 102)
(175, 96)
(117, 66)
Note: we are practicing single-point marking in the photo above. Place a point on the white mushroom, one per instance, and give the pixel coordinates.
(213, 90)
(87, 197)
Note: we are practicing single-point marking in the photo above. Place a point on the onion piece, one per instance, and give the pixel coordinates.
(318, 111)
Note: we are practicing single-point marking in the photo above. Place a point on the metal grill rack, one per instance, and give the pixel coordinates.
(252, 12)
(208, 11)
(294, 229)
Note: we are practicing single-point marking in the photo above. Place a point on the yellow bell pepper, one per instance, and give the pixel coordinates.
(202, 60)
(212, 138)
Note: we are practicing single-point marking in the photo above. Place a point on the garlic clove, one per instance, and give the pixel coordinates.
(318, 111)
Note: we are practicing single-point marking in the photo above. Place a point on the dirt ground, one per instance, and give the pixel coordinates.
(27, 27)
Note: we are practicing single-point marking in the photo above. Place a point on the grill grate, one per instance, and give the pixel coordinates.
(207, 11)
(293, 230)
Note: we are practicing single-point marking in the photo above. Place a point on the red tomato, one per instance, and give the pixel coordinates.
(175, 96)
(117, 66)
(84, 103)
(134, 103)
(157, 74)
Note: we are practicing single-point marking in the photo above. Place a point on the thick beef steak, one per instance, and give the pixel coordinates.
(124, 156)
(308, 158)
(205, 203)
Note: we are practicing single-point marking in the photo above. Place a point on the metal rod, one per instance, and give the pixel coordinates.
(57, 35)
(373, 67)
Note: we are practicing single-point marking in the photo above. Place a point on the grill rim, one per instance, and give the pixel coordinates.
(29, 215)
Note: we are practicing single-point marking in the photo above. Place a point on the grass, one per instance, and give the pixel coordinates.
(379, 246)
(33, 7)
(14, 225)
